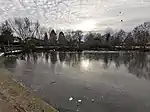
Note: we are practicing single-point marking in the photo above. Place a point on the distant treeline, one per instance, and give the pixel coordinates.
(22, 31)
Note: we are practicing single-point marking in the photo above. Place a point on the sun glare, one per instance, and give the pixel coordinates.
(85, 64)
(86, 25)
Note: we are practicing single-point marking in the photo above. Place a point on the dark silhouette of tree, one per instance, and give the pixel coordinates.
(90, 40)
(32, 35)
(45, 37)
(6, 33)
(69, 39)
(73, 42)
(119, 37)
(93, 40)
(62, 41)
(108, 37)
(53, 38)
(141, 34)
(129, 40)
(77, 37)
(100, 39)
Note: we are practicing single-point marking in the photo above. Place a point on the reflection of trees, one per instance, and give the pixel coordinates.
(62, 56)
(31, 58)
(10, 62)
(35, 58)
(137, 63)
(53, 57)
(106, 57)
(22, 57)
(46, 57)
(73, 59)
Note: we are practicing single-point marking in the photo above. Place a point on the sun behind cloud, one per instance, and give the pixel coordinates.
(86, 25)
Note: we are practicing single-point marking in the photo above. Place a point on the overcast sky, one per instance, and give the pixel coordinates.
(79, 14)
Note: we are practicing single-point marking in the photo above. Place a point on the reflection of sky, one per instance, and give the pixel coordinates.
(109, 87)
(79, 14)
(85, 64)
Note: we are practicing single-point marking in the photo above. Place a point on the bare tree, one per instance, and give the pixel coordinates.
(129, 40)
(119, 37)
(41, 32)
(69, 38)
(24, 28)
(141, 34)
(77, 37)
(35, 32)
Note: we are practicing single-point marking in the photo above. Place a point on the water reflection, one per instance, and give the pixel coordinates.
(85, 64)
(53, 57)
(62, 56)
(137, 63)
(10, 62)
(113, 80)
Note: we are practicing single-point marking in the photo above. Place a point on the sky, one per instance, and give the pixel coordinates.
(86, 15)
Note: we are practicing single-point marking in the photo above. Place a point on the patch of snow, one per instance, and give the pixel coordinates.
(71, 98)
(79, 101)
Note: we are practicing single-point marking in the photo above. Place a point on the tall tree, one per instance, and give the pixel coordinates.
(69, 38)
(24, 28)
(108, 36)
(129, 40)
(45, 37)
(119, 37)
(90, 40)
(53, 38)
(141, 34)
(6, 33)
(61, 39)
(35, 31)
(77, 35)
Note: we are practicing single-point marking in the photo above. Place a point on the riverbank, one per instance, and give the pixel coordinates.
(14, 97)
(19, 49)
(106, 48)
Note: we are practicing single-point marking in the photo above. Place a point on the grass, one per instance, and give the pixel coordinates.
(19, 97)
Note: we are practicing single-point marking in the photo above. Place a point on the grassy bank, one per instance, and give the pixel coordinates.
(17, 97)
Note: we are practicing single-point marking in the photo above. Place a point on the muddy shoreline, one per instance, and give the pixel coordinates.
(16, 98)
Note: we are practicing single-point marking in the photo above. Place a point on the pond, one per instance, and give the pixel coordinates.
(86, 81)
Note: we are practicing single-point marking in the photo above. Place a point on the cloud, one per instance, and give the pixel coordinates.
(66, 14)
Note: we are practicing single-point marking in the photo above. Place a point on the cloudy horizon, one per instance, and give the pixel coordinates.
(86, 15)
